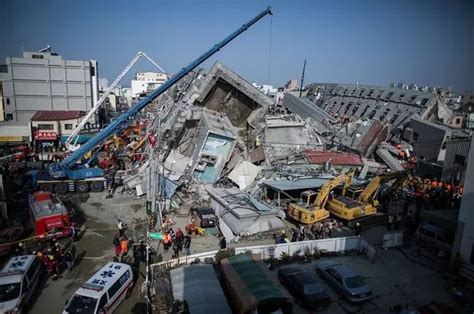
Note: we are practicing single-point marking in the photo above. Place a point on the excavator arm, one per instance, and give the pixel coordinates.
(371, 189)
(327, 187)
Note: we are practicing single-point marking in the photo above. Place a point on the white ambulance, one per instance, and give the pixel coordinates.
(103, 292)
(18, 281)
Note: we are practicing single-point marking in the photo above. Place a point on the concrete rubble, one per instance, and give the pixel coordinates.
(218, 136)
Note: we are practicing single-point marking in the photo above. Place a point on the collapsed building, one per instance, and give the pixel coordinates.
(248, 156)
(387, 104)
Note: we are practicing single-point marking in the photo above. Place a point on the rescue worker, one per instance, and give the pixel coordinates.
(20, 249)
(187, 244)
(223, 243)
(124, 246)
(142, 251)
(117, 247)
(357, 229)
(166, 241)
(69, 260)
(120, 227)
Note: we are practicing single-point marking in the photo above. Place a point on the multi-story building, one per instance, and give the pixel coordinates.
(388, 104)
(140, 85)
(44, 81)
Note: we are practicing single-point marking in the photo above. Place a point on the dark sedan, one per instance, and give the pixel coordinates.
(305, 287)
(205, 217)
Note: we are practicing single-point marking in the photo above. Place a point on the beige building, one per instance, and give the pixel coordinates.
(54, 125)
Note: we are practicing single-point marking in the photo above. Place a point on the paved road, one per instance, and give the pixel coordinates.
(93, 250)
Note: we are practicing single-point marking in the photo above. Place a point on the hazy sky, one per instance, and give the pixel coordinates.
(426, 42)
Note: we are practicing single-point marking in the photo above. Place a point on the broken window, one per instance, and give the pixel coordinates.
(424, 101)
(394, 118)
(459, 159)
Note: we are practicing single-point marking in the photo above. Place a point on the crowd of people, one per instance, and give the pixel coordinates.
(54, 258)
(432, 194)
(177, 241)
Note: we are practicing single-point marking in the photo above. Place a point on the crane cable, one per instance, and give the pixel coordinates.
(270, 49)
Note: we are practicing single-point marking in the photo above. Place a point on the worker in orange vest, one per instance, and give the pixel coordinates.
(124, 246)
(166, 241)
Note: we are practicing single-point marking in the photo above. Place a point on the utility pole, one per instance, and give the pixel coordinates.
(302, 78)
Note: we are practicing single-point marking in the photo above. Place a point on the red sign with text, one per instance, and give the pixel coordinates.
(45, 135)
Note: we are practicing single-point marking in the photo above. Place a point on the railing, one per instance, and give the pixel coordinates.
(342, 244)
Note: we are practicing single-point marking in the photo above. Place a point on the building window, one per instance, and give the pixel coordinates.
(38, 57)
(8, 101)
(92, 71)
(415, 136)
(458, 120)
(68, 126)
(45, 126)
(460, 160)
(9, 116)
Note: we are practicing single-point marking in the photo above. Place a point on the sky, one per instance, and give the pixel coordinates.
(426, 42)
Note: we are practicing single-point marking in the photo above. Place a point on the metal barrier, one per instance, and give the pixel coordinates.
(355, 243)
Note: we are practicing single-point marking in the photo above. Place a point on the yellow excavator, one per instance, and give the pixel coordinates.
(365, 204)
(308, 212)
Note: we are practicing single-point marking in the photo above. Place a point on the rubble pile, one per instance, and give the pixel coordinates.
(250, 155)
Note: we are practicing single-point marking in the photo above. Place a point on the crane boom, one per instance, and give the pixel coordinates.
(68, 167)
(68, 143)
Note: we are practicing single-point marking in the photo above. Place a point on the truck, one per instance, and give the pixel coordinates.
(70, 174)
(49, 216)
(41, 180)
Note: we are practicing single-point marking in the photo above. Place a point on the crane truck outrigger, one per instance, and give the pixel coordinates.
(68, 175)
(308, 213)
(353, 208)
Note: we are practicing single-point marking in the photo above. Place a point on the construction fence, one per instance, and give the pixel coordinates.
(343, 244)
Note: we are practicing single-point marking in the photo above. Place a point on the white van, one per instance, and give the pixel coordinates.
(103, 292)
(18, 280)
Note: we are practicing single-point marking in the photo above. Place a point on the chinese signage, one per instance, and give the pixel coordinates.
(45, 136)
(90, 128)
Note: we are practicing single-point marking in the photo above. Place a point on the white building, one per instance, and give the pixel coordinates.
(143, 79)
(44, 81)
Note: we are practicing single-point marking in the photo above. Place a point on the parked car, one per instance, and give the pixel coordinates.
(345, 280)
(305, 287)
(204, 217)
(435, 238)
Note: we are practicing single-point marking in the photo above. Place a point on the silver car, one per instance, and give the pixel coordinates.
(345, 280)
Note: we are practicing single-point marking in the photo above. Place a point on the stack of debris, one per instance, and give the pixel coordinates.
(216, 133)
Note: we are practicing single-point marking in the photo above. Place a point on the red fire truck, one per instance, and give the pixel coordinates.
(49, 215)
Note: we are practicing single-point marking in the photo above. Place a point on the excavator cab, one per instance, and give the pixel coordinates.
(307, 198)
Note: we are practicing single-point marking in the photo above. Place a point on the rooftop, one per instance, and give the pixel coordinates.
(335, 158)
(57, 115)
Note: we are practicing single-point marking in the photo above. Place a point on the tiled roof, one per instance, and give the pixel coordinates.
(57, 115)
(335, 158)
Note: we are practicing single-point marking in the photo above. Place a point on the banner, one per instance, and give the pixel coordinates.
(45, 136)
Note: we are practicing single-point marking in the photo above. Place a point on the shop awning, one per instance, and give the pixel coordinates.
(54, 222)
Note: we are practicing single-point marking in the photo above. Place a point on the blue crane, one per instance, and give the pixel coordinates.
(69, 169)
